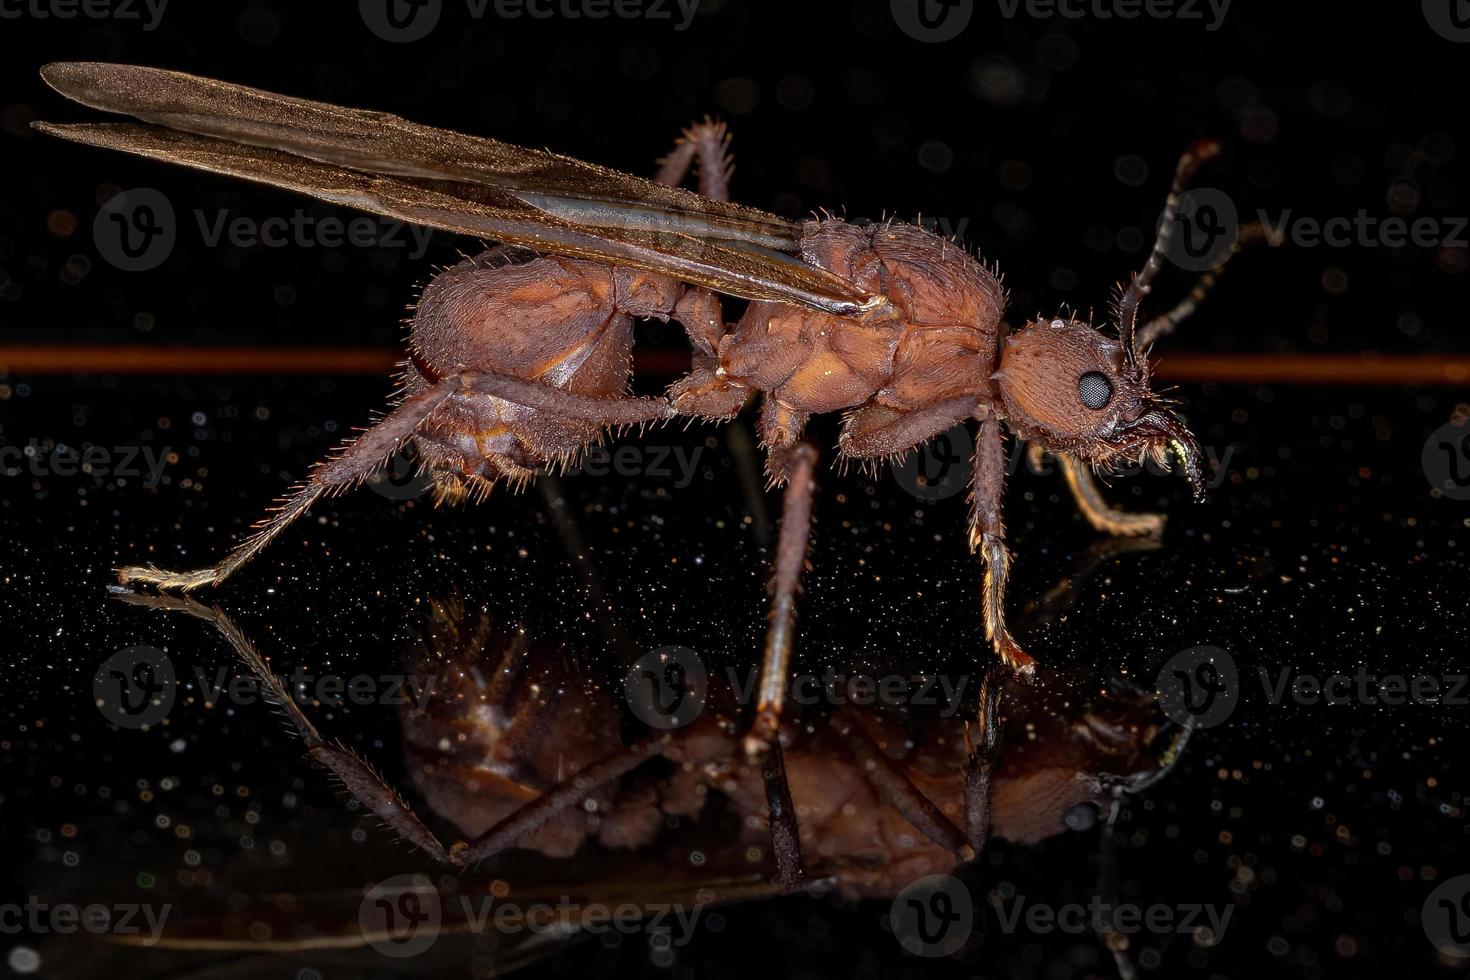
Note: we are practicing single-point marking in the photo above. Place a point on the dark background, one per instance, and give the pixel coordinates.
(1322, 550)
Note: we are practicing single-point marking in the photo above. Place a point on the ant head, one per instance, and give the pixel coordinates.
(1074, 389)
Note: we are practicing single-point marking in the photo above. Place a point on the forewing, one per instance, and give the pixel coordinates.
(388, 166)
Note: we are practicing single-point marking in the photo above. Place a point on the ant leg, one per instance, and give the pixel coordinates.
(365, 785)
(785, 831)
(1099, 513)
(355, 460)
(361, 456)
(709, 141)
(742, 448)
(1089, 499)
(706, 393)
(780, 430)
(876, 430)
(988, 536)
(703, 391)
(981, 761)
(791, 546)
(1138, 287)
(898, 791)
(557, 401)
(1162, 325)
(569, 792)
(764, 740)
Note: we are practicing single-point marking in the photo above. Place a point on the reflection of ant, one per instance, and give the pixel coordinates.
(884, 794)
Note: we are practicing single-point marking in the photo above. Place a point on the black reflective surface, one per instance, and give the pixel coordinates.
(1322, 828)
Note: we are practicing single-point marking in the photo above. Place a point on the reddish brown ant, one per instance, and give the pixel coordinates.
(520, 356)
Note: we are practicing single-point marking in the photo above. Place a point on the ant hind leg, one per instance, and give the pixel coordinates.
(356, 460)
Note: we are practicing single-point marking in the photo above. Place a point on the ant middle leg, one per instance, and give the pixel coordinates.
(708, 142)
(704, 391)
(764, 740)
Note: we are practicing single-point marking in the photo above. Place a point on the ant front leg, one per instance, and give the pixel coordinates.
(1089, 499)
(988, 537)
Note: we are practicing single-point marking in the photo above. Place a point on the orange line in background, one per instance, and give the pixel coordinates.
(1254, 368)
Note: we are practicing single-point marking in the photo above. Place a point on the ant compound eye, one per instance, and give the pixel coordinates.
(1095, 389)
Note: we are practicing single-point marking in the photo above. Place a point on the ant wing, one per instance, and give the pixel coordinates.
(385, 165)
